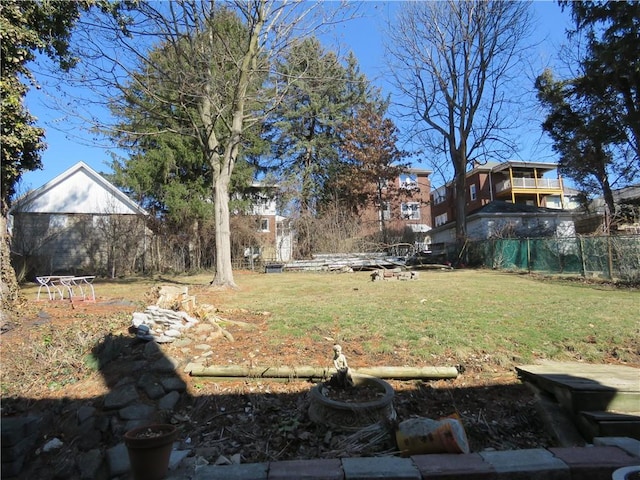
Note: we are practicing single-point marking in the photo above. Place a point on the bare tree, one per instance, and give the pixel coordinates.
(454, 63)
(203, 69)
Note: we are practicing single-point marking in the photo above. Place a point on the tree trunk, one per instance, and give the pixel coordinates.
(460, 181)
(304, 240)
(223, 167)
(609, 202)
(224, 269)
(9, 291)
(461, 207)
(383, 223)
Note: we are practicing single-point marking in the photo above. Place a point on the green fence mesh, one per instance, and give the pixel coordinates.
(611, 257)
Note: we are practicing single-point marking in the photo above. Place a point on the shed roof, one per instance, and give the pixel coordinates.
(630, 194)
(80, 189)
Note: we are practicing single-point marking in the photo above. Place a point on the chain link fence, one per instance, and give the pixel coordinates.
(609, 257)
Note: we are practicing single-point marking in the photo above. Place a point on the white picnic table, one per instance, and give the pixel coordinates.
(76, 287)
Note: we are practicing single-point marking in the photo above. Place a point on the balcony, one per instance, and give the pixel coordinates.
(529, 184)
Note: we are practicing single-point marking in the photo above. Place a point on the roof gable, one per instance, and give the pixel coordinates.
(79, 189)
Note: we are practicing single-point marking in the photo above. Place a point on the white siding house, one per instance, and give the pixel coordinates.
(77, 223)
(501, 219)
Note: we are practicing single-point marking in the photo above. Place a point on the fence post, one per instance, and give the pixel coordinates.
(582, 261)
(610, 255)
(493, 253)
(559, 255)
(528, 254)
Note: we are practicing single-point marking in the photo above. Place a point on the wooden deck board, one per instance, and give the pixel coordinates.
(597, 397)
(580, 386)
(580, 376)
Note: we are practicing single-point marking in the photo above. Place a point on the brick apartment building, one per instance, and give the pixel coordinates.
(404, 213)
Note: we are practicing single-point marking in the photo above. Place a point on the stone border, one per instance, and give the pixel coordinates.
(594, 462)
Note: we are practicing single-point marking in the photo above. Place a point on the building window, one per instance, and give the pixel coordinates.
(408, 181)
(441, 219)
(264, 224)
(252, 253)
(473, 192)
(383, 183)
(58, 221)
(410, 211)
(283, 228)
(262, 205)
(439, 195)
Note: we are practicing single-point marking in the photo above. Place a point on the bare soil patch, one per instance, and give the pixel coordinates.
(252, 419)
(49, 369)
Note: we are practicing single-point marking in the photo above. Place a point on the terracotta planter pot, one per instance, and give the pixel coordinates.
(149, 450)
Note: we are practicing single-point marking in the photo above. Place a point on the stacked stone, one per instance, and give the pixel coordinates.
(80, 434)
(19, 434)
(161, 325)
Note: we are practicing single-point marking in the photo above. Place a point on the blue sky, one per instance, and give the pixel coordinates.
(68, 144)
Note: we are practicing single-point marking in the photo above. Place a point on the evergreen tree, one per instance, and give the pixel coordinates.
(168, 171)
(594, 118)
(305, 131)
(612, 64)
(306, 128)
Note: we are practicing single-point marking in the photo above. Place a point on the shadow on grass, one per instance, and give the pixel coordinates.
(254, 420)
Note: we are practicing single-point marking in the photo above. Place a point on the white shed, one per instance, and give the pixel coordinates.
(77, 223)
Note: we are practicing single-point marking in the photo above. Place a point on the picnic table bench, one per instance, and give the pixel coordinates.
(76, 287)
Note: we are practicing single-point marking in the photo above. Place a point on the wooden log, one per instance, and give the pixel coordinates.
(409, 373)
(197, 370)
(306, 372)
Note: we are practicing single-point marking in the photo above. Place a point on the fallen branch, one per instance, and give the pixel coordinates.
(219, 330)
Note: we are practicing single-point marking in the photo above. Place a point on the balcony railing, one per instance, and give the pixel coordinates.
(529, 183)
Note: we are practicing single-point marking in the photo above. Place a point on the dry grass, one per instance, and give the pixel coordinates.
(481, 319)
(461, 313)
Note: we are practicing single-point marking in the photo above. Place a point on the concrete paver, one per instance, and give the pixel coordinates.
(248, 471)
(318, 469)
(629, 445)
(529, 464)
(593, 463)
(453, 466)
(391, 468)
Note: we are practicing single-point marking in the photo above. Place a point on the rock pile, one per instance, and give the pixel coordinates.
(174, 312)
(165, 321)
(82, 439)
(395, 274)
(160, 324)
(19, 434)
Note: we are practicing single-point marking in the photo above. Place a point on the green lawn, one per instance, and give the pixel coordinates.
(463, 316)
(461, 313)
